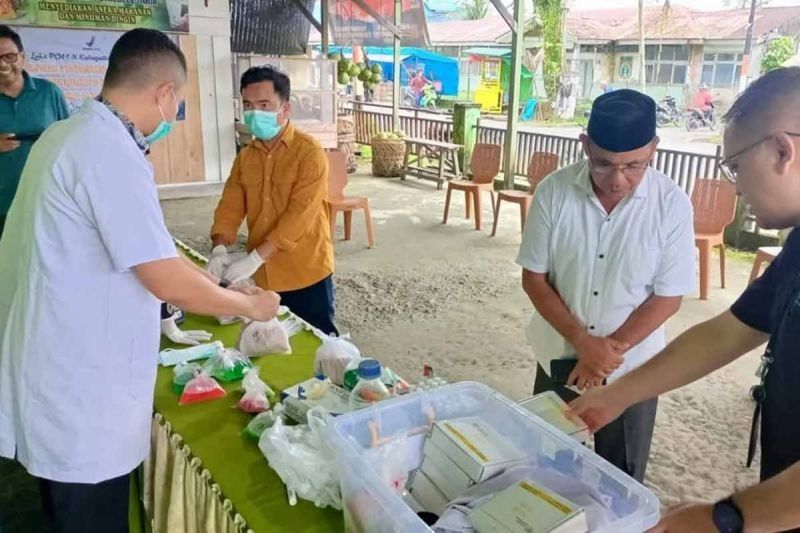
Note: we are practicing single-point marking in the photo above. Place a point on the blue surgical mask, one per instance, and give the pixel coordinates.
(262, 124)
(172, 357)
(164, 128)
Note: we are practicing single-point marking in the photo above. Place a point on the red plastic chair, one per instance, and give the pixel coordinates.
(337, 201)
(485, 165)
(541, 165)
(714, 203)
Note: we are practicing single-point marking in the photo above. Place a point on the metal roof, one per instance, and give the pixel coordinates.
(269, 27)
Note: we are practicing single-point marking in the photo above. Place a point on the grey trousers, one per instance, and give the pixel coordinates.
(625, 442)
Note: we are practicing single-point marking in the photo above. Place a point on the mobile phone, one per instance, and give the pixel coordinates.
(560, 369)
(26, 136)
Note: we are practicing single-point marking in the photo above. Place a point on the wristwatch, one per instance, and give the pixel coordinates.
(728, 517)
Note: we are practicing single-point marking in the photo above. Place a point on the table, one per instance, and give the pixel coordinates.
(203, 475)
(445, 153)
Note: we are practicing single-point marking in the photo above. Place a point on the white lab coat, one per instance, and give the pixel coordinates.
(605, 266)
(79, 333)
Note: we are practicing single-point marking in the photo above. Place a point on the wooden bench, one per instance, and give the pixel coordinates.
(446, 154)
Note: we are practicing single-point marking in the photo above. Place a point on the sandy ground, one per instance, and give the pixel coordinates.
(450, 296)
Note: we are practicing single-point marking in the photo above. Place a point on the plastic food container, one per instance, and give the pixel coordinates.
(371, 505)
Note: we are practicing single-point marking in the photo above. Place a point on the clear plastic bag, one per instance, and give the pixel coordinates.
(256, 393)
(228, 365)
(264, 338)
(304, 460)
(259, 424)
(248, 282)
(182, 374)
(333, 357)
(201, 388)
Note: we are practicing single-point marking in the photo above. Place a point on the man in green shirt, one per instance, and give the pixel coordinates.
(27, 107)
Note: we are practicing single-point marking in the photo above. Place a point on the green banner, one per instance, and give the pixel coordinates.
(165, 15)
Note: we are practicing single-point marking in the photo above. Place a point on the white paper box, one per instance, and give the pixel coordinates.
(552, 409)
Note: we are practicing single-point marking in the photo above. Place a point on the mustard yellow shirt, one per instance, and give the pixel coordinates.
(281, 188)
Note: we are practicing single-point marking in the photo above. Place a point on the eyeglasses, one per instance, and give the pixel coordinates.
(631, 170)
(727, 166)
(10, 57)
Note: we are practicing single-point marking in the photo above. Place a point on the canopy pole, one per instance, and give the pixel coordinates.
(396, 96)
(324, 18)
(517, 45)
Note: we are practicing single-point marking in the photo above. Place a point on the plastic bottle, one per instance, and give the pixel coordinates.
(370, 388)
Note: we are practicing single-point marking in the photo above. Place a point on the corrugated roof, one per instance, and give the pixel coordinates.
(486, 51)
(454, 32)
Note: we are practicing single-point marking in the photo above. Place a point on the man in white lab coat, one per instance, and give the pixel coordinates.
(82, 269)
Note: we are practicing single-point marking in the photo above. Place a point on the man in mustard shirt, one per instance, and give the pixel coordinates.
(279, 182)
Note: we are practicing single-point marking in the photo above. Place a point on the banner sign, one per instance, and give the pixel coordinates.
(165, 15)
(75, 60)
(353, 25)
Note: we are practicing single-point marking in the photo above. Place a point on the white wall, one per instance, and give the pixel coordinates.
(211, 26)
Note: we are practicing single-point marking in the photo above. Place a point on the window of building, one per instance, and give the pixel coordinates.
(721, 69)
(666, 64)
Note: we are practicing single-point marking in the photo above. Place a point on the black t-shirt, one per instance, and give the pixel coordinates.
(772, 305)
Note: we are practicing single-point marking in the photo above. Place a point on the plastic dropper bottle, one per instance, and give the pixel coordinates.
(370, 388)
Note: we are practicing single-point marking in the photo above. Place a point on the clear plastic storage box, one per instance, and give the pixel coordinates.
(371, 504)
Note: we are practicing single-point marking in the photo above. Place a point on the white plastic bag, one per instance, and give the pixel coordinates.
(333, 357)
(256, 393)
(303, 459)
(264, 338)
(227, 366)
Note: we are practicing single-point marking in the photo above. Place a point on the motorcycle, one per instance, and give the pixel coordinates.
(696, 119)
(667, 112)
(429, 96)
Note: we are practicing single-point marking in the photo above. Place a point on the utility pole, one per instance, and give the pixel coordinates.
(642, 55)
(748, 45)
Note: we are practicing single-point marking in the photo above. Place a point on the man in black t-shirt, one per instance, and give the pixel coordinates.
(762, 157)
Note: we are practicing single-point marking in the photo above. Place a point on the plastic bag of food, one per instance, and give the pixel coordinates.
(183, 374)
(304, 460)
(264, 338)
(201, 388)
(225, 320)
(260, 423)
(256, 393)
(333, 357)
(227, 366)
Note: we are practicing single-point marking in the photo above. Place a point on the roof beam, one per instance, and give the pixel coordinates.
(309, 15)
(380, 19)
(503, 10)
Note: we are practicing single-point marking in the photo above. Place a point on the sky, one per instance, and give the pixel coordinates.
(697, 4)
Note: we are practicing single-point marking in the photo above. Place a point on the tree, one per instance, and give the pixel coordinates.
(475, 9)
(778, 51)
(551, 14)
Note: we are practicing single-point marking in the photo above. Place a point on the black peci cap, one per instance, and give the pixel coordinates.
(622, 120)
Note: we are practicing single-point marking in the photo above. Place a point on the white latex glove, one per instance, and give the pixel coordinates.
(244, 268)
(192, 338)
(218, 261)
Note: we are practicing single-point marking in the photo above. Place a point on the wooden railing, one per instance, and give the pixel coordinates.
(370, 119)
(682, 167)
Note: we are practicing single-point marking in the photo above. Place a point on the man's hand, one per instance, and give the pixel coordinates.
(244, 268)
(600, 355)
(687, 517)
(8, 143)
(265, 305)
(218, 261)
(584, 377)
(601, 406)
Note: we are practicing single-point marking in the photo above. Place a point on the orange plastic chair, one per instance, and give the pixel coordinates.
(485, 164)
(714, 203)
(765, 254)
(542, 164)
(337, 201)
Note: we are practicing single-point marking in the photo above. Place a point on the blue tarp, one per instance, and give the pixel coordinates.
(438, 67)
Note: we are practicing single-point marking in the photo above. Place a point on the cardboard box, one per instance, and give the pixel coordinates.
(443, 472)
(335, 401)
(528, 508)
(474, 446)
(552, 409)
(427, 494)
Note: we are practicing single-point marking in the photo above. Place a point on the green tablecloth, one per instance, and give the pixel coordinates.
(213, 432)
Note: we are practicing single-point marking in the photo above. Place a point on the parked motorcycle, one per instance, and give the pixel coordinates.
(667, 112)
(696, 119)
(429, 97)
